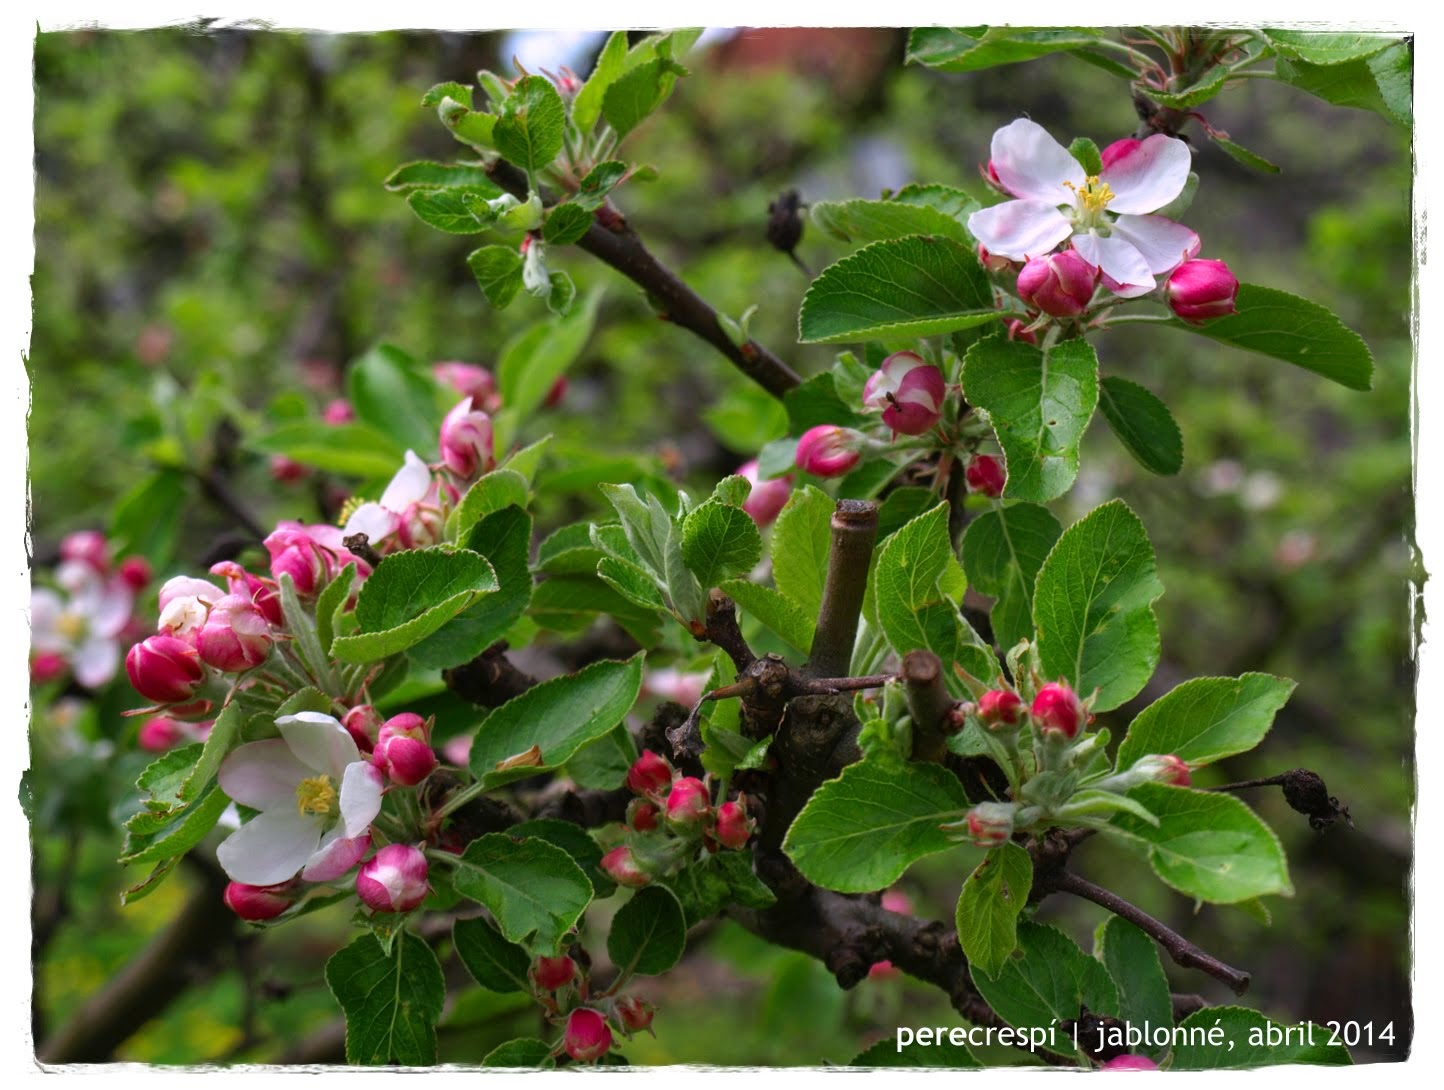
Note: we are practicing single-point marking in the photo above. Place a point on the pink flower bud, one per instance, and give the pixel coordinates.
(1000, 708)
(259, 902)
(297, 554)
(767, 498)
(467, 447)
(184, 586)
(650, 774)
(882, 970)
(47, 666)
(587, 1038)
(263, 593)
(164, 669)
(363, 723)
(1129, 1062)
(829, 451)
(990, 824)
(286, 470)
(235, 635)
(909, 391)
(468, 380)
(1202, 289)
(556, 393)
(990, 176)
(405, 725)
(1163, 769)
(1119, 149)
(688, 802)
(1060, 284)
(159, 733)
(553, 973)
(734, 828)
(1019, 331)
(393, 880)
(338, 412)
(986, 475)
(406, 761)
(135, 572)
(87, 547)
(634, 1014)
(1057, 710)
(621, 866)
(642, 815)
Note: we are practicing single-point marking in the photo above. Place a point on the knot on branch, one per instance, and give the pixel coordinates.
(490, 679)
(1306, 792)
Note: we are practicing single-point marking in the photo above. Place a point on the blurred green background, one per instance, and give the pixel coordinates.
(213, 243)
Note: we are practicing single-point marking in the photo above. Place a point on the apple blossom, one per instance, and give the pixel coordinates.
(829, 451)
(1000, 707)
(262, 592)
(337, 412)
(734, 828)
(82, 627)
(550, 974)
(393, 880)
(1202, 289)
(1058, 284)
(688, 802)
(409, 508)
(642, 815)
(649, 774)
(990, 824)
(468, 380)
(587, 1037)
(635, 1014)
(235, 636)
(165, 669)
(467, 446)
(909, 391)
(621, 867)
(259, 902)
(159, 733)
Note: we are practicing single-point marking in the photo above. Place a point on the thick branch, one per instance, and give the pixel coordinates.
(490, 679)
(1182, 951)
(854, 530)
(617, 245)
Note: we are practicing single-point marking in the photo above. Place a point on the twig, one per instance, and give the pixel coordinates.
(1305, 791)
(928, 704)
(1182, 951)
(490, 679)
(722, 629)
(854, 530)
(620, 247)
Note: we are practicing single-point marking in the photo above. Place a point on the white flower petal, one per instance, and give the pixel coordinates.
(373, 520)
(1116, 257)
(336, 855)
(76, 576)
(95, 660)
(1165, 245)
(111, 607)
(46, 609)
(361, 787)
(319, 742)
(1034, 166)
(270, 848)
(1149, 176)
(410, 483)
(263, 775)
(1019, 229)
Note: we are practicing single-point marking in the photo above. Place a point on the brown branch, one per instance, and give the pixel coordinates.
(854, 531)
(928, 704)
(1305, 792)
(617, 245)
(490, 679)
(722, 629)
(1182, 951)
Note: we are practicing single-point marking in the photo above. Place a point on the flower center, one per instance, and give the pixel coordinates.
(71, 626)
(1092, 199)
(316, 795)
(348, 509)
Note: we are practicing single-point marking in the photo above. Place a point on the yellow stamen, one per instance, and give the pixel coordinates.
(316, 795)
(1094, 196)
(348, 509)
(71, 626)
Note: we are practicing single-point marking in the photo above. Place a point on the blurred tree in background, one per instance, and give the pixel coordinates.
(214, 245)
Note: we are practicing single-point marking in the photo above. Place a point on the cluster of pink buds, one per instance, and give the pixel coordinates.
(311, 555)
(79, 626)
(591, 1022)
(671, 816)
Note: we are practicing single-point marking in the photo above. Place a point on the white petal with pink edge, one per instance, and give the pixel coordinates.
(320, 742)
(1019, 229)
(271, 847)
(263, 775)
(361, 787)
(1034, 166)
(95, 660)
(336, 855)
(373, 520)
(1149, 176)
(1165, 245)
(1116, 257)
(408, 486)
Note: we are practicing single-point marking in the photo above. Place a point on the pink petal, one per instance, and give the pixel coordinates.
(320, 742)
(1147, 177)
(1117, 257)
(361, 787)
(1034, 166)
(263, 775)
(1019, 229)
(336, 855)
(1165, 245)
(271, 847)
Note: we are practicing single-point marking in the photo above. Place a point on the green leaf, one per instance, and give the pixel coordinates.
(719, 541)
(458, 92)
(779, 613)
(504, 539)
(633, 97)
(1132, 961)
(602, 765)
(1207, 845)
(448, 209)
(330, 603)
(391, 395)
(587, 106)
(886, 1053)
(531, 123)
(1206, 719)
(993, 896)
(870, 221)
(1086, 153)
(631, 582)
(1003, 550)
(1240, 154)
(146, 519)
(185, 828)
(499, 489)
(801, 543)
(565, 224)
(1275, 323)
(599, 182)
(521, 1052)
(1251, 1034)
(573, 839)
(1214, 80)
(1142, 424)
(531, 363)
(746, 418)
(944, 198)
(498, 272)
(649, 933)
(1052, 980)
(1382, 83)
(1093, 606)
(409, 596)
(968, 49)
(426, 175)
(559, 716)
(859, 832)
(492, 961)
(918, 286)
(392, 1002)
(816, 401)
(353, 450)
(225, 733)
(1325, 49)
(1039, 404)
(165, 777)
(534, 890)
